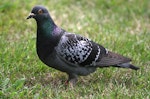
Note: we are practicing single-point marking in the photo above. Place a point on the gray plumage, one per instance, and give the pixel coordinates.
(69, 52)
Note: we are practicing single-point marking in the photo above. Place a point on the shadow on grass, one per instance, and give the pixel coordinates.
(57, 79)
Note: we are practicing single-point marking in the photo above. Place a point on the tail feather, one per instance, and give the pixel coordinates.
(134, 67)
(127, 65)
(112, 59)
(115, 60)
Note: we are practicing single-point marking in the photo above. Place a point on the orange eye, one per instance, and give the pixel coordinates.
(40, 11)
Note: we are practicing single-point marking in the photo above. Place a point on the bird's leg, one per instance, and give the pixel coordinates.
(72, 79)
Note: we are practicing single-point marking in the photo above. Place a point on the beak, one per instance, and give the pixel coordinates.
(31, 15)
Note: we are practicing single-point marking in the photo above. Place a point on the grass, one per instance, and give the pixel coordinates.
(121, 26)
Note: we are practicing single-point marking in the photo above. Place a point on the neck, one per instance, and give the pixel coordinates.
(48, 35)
(45, 27)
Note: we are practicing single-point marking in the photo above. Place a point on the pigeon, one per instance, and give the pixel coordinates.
(71, 53)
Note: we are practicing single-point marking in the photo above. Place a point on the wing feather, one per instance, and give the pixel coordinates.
(74, 48)
(112, 59)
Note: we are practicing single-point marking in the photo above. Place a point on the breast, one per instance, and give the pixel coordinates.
(44, 49)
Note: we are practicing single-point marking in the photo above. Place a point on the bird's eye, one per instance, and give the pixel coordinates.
(40, 11)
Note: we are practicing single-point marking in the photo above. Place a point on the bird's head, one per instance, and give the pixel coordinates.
(38, 12)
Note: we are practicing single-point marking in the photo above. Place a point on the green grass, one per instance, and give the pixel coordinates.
(122, 26)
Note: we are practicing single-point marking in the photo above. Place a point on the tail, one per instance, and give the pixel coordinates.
(127, 65)
(115, 60)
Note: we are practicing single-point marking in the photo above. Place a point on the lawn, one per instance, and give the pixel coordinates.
(122, 26)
